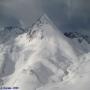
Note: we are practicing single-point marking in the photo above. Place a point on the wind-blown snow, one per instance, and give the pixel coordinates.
(42, 58)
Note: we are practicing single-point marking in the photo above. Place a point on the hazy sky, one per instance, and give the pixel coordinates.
(69, 14)
(27, 10)
(66, 14)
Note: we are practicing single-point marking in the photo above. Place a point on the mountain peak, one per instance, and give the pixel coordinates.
(42, 20)
(42, 27)
(45, 19)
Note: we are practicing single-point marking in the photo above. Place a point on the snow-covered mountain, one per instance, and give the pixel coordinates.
(41, 58)
(82, 40)
(80, 37)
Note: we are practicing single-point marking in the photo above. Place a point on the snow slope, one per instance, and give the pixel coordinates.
(41, 59)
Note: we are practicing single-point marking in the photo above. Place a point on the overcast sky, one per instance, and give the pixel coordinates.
(27, 10)
(69, 14)
(66, 14)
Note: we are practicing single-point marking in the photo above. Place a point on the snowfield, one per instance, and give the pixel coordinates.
(43, 58)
